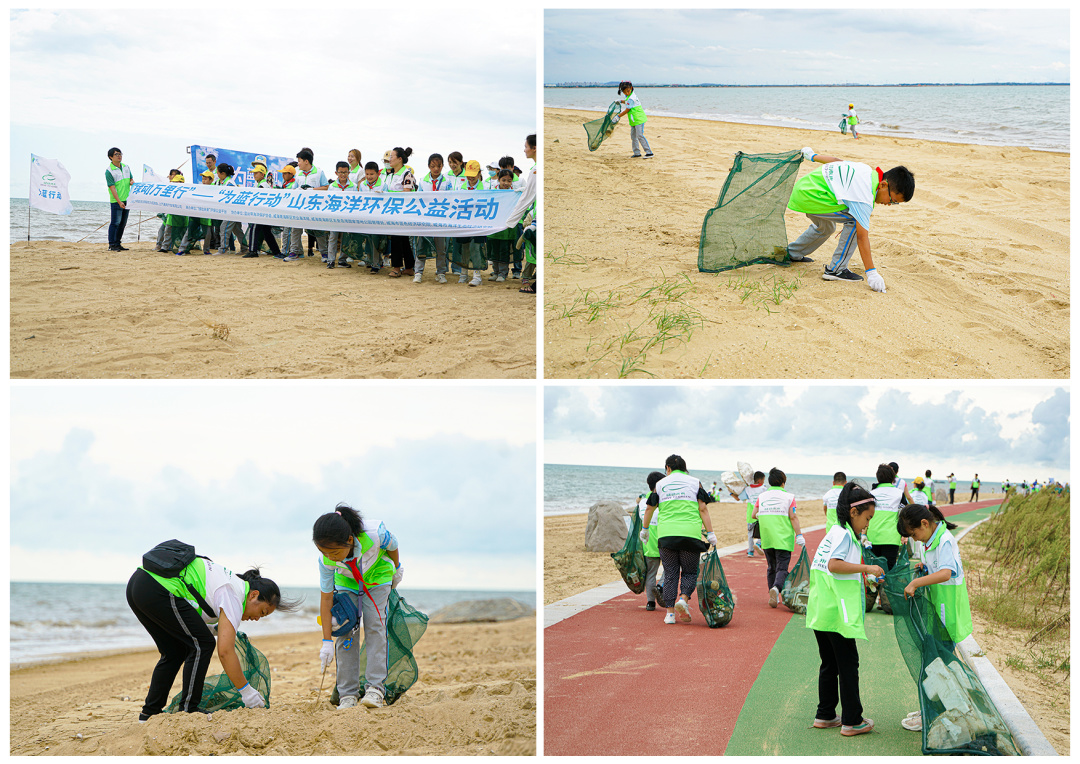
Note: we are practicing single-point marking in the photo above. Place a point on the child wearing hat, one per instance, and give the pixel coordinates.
(852, 119)
(262, 233)
(290, 237)
(470, 249)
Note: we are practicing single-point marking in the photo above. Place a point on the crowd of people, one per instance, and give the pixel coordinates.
(509, 254)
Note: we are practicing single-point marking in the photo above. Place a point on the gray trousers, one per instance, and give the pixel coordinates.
(652, 565)
(320, 240)
(348, 658)
(161, 235)
(335, 242)
(440, 254)
(750, 538)
(290, 241)
(236, 228)
(637, 133)
(821, 228)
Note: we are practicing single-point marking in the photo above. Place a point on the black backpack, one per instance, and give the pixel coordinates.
(168, 560)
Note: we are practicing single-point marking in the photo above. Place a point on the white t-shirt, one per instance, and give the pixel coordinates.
(641, 505)
(830, 498)
(945, 556)
(224, 593)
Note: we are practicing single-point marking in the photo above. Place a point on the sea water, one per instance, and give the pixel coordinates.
(88, 221)
(1034, 116)
(571, 489)
(50, 620)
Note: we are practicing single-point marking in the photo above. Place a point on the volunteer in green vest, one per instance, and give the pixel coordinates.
(637, 120)
(682, 503)
(835, 612)
(774, 509)
(398, 177)
(947, 590)
(651, 550)
(975, 488)
(882, 533)
(358, 568)
(920, 493)
(118, 178)
(952, 488)
(181, 629)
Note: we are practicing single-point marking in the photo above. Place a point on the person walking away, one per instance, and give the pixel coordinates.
(882, 534)
(118, 179)
(774, 509)
(651, 550)
(852, 120)
(952, 488)
(828, 501)
(975, 488)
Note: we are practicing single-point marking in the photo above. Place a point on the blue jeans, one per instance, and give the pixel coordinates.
(117, 223)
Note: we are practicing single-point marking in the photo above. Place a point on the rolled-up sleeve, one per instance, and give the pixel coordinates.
(326, 578)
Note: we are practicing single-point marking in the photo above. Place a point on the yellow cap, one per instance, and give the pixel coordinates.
(472, 169)
(259, 168)
(178, 178)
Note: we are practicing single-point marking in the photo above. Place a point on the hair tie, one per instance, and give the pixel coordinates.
(864, 501)
(338, 513)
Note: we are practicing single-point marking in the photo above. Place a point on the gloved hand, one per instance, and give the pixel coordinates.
(251, 696)
(809, 153)
(644, 535)
(800, 540)
(326, 654)
(397, 576)
(711, 538)
(873, 278)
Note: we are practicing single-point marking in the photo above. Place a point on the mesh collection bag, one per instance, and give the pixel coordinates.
(630, 560)
(600, 129)
(714, 595)
(797, 585)
(747, 224)
(468, 252)
(873, 589)
(404, 627)
(219, 694)
(958, 716)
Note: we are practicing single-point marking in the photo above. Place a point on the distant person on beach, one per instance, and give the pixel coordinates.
(845, 193)
(683, 512)
(749, 494)
(852, 120)
(835, 612)
(975, 488)
(652, 550)
(952, 488)
(774, 509)
(881, 533)
(637, 120)
(118, 178)
(900, 483)
(929, 484)
(839, 480)
(360, 564)
(174, 612)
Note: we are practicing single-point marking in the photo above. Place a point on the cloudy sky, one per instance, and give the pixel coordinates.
(105, 472)
(1000, 432)
(786, 47)
(153, 83)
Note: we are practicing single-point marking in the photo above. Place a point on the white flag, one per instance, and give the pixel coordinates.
(149, 176)
(49, 185)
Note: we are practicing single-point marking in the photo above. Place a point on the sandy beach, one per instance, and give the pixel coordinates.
(476, 695)
(80, 311)
(976, 264)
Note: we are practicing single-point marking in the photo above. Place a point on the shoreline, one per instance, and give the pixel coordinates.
(822, 130)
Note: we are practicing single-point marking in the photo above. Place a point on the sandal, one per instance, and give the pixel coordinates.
(395, 273)
(529, 288)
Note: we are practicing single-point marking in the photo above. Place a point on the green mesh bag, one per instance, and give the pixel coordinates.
(747, 224)
(715, 599)
(404, 627)
(630, 560)
(365, 247)
(958, 715)
(219, 694)
(468, 252)
(600, 129)
(874, 590)
(797, 585)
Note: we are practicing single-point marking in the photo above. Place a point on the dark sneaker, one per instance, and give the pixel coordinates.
(803, 259)
(121, 249)
(251, 254)
(648, 155)
(635, 156)
(844, 275)
(344, 264)
(330, 266)
(650, 606)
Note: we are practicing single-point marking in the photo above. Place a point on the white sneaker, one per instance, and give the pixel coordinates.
(476, 280)
(349, 701)
(492, 277)
(373, 698)
(774, 597)
(683, 610)
(463, 278)
(417, 278)
(440, 279)
(913, 722)
(500, 278)
(669, 618)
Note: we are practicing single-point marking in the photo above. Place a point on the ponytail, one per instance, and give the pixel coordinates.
(911, 516)
(269, 591)
(852, 495)
(338, 528)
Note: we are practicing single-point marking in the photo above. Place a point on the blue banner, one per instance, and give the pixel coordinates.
(241, 162)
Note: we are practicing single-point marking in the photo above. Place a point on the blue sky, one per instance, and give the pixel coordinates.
(821, 46)
(1001, 432)
(155, 82)
(243, 471)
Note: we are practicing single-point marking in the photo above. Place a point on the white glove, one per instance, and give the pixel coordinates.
(251, 696)
(873, 278)
(800, 540)
(809, 153)
(711, 538)
(326, 654)
(397, 576)
(644, 535)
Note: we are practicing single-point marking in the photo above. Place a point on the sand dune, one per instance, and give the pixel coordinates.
(976, 264)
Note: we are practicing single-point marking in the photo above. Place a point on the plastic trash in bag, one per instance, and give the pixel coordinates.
(715, 599)
(219, 693)
(797, 585)
(599, 130)
(630, 560)
(872, 588)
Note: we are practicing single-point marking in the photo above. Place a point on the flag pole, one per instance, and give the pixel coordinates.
(28, 192)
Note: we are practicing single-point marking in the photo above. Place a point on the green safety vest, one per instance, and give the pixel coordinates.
(950, 599)
(974, 483)
(811, 195)
(678, 507)
(836, 600)
(652, 546)
(952, 484)
(882, 528)
(375, 566)
(194, 574)
(121, 177)
(636, 116)
(777, 531)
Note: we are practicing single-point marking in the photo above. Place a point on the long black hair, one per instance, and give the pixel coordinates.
(338, 528)
(269, 591)
(911, 516)
(852, 494)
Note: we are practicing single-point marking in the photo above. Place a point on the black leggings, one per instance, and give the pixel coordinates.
(838, 678)
(263, 233)
(181, 637)
(674, 561)
(401, 255)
